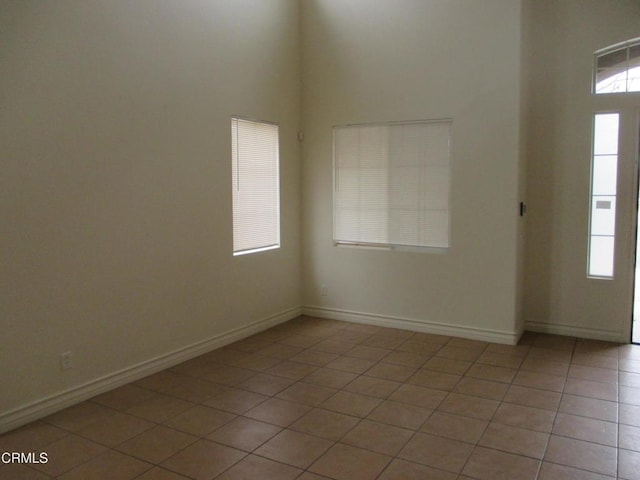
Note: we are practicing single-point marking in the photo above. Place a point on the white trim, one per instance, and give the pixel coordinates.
(53, 403)
(574, 331)
(415, 325)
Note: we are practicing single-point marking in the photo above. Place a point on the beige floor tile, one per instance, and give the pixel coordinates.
(334, 346)
(116, 429)
(402, 469)
(228, 375)
(203, 460)
(278, 412)
(158, 473)
(281, 351)
(555, 342)
(587, 429)
(448, 365)
(314, 357)
(505, 360)
(629, 437)
(159, 408)
(414, 346)
(344, 462)
(307, 393)
(244, 433)
(255, 362)
(455, 427)
(367, 353)
(468, 406)
(541, 381)
(595, 374)
(351, 364)
(588, 388)
(458, 353)
(123, 397)
(589, 407)
(378, 437)
(551, 471)
(629, 467)
(488, 464)
(540, 364)
(195, 390)
(294, 448)
(157, 444)
(199, 420)
(627, 365)
(481, 388)
(265, 384)
(430, 338)
(325, 424)
(629, 395)
(437, 452)
(160, 382)
(351, 404)
(68, 452)
(582, 455)
(253, 467)
(33, 436)
(419, 396)
(596, 360)
(492, 372)
(79, 416)
(533, 397)
(630, 379)
(236, 401)
(292, 370)
(18, 471)
(389, 371)
(433, 379)
(520, 441)
(525, 417)
(108, 466)
(374, 387)
(300, 340)
(629, 414)
(400, 414)
(328, 377)
(408, 359)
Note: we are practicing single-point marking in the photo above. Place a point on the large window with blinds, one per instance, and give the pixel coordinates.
(392, 183)
(256, 186)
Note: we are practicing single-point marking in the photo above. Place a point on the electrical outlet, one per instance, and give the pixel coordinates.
(323, 290)
(65, 361)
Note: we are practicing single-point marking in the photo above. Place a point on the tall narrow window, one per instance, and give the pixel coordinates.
(392, 184)
(604, 168)
(617, 68)
(256, 186)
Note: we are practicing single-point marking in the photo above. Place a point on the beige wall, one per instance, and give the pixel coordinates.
(559, 298)
(379, 60)
(115, 192)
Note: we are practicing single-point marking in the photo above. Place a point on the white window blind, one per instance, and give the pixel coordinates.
(256, 186)
(391, 185)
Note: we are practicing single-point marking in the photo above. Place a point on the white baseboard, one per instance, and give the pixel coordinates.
(474, 333)
(574, 331)
(53, 403)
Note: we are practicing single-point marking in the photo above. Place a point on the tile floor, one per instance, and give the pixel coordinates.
(318, 399)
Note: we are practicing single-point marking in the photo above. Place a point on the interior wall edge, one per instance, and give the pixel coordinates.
(546, 326)
(414, 325)
(45, 406)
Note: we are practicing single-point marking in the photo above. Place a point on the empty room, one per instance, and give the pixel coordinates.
(319, 239)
